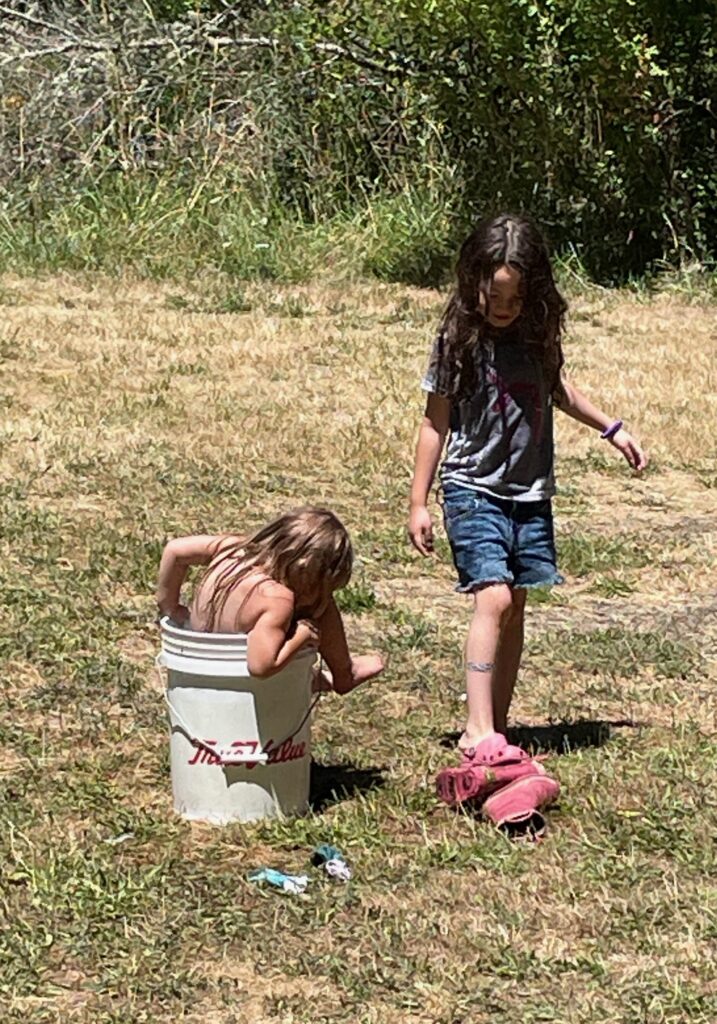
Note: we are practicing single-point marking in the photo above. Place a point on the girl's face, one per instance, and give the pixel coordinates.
(316, 598)
(505, 299)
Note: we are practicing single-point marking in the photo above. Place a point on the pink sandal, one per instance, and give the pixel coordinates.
(494, 750)
(475, 782)
(515, 809)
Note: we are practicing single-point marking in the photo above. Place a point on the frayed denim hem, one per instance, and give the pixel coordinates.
(470, 588)
(555, 581)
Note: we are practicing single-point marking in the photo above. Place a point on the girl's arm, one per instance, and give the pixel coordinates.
(176, 559)
(431, 438)
(268, 646)
(580, 408)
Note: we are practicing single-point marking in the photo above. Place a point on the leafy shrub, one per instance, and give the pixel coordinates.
(409, 119)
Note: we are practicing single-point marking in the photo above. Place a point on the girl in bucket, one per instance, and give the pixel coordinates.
(276, 586)
(493, 378)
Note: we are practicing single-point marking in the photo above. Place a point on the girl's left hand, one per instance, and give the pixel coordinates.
(307, 632)
(629, 447)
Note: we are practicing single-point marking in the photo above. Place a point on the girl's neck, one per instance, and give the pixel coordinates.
(503, 335)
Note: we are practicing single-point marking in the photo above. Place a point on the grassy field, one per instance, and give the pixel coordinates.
(134, 412)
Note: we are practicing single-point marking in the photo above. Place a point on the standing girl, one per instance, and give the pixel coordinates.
(493, 379)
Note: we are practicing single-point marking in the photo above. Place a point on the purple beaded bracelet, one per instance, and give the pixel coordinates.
(610, 431)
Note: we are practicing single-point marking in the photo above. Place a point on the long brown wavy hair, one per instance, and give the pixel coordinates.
(506, 240)
(302, 549)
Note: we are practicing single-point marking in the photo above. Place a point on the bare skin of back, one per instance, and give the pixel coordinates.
(245, 604)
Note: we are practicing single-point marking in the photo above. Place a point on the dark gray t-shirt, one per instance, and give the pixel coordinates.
(501, 427)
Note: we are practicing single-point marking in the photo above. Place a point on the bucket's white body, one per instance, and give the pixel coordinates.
(240, 746)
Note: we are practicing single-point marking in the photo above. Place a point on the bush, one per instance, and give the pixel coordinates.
(408, 119)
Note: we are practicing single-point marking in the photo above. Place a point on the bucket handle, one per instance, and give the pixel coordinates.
(223, 757)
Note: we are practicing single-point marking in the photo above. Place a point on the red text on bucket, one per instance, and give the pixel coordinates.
(286, 751)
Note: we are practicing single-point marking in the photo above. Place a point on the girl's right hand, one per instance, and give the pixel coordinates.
(420, 529)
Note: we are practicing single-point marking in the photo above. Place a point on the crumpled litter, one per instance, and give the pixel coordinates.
(293, 884)
(332, 860)
(123, 837)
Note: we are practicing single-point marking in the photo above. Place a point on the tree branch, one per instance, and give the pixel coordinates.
(388, 64)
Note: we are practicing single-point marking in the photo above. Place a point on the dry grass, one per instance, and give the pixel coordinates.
(134, 412)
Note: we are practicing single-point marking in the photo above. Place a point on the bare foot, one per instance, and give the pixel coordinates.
(364, 667)
(470, 740)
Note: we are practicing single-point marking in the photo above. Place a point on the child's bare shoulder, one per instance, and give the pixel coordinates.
(268, 598)
(227, 541)
(272, 604)
(275, 593)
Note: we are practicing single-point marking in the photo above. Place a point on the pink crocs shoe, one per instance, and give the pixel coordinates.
(515, 809)
(474, 782)
(494, 750)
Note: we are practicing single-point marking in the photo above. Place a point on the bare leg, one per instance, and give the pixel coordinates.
(507, 662)
(491, 606)
(346, 672)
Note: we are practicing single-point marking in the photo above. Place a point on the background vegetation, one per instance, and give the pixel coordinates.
(268, 139)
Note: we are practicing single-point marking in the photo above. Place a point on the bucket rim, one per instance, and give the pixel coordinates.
(189, 644)
(172, 629)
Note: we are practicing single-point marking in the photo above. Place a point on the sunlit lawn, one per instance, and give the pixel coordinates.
(137, 412)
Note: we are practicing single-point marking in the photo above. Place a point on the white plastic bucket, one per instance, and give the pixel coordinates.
(240, 747)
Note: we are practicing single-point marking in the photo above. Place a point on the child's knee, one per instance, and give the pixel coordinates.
(495, 601)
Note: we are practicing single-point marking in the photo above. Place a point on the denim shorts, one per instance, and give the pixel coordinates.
(494, 540)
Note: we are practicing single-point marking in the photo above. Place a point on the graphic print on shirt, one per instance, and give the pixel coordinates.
(511, 393)
(500, 439)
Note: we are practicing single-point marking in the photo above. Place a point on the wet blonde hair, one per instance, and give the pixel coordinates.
(304, 549)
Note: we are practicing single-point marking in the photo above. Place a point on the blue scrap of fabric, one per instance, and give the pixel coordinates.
(294, 884)
(324, 852)
(332, 860)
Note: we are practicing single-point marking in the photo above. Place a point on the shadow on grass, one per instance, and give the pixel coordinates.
(563, 737)
(332, 783)
(558, 737)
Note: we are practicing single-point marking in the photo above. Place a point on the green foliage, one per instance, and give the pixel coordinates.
(154, 224)
(593, 116)
(580, 554)
(357, 598)
(174, 10)
(376, 131)
(621, 652)
(411, 238)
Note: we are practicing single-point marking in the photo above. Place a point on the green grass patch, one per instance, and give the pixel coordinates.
(612, 585)
(617, 651)
(580, 554)
(606, 461)
(544, 595)
(408, 631)
(357, 598)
